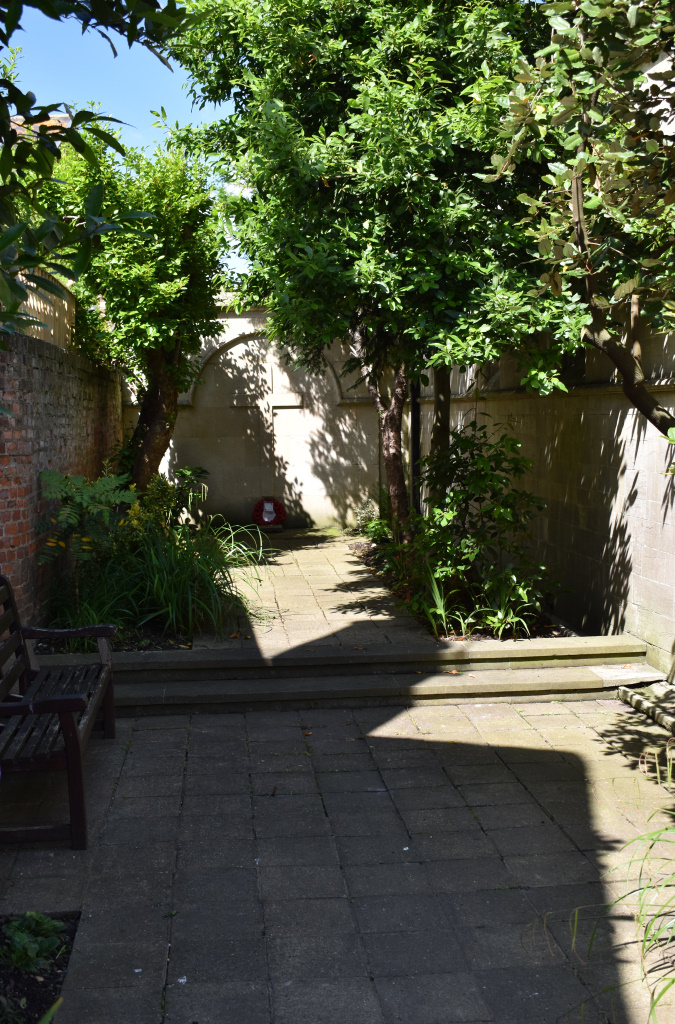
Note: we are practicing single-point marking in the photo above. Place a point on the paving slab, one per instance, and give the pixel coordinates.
(366, 865)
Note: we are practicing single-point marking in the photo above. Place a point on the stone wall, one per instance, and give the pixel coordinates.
(608, 530)
(262, 428)
(67, 417)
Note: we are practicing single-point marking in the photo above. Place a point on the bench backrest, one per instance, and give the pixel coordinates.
(14, 664)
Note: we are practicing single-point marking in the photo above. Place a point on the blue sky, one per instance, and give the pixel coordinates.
(59, 64)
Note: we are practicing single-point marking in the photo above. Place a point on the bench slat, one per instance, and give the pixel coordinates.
(12, 676)
(38, 737)
(9, 646)
(48, 740)
(7, 619)
(18, 729)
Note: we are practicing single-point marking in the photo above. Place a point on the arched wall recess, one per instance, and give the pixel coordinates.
(212, 348)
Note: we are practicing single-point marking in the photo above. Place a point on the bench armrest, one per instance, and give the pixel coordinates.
(46, 706)
(36, 633)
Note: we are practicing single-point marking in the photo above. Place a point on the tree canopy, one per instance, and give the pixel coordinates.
(147, 297)
(356, 147)
(596, 110)
(32, 138)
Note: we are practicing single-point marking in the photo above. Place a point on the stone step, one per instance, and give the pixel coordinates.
(562, 683)
(210, 666)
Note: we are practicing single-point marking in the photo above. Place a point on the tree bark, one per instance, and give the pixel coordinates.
(626, 358)
(440, 429)
(391, 422)
(157, 417)
(415, 446)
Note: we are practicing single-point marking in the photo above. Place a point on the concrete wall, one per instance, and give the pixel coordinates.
(608, 530)
(262, 428)
(67, 417)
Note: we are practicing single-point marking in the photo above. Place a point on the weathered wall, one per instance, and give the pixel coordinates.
(608, 530)
(262, 428)
(67, 417)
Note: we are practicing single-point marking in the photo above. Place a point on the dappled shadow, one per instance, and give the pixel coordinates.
(229, 429)
(343, 442)
(587, 537)
(668, 499)
(262, 427)
(581, 468)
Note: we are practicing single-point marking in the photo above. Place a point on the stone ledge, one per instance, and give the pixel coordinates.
(555, 683)
(501, 655)
(658, 703)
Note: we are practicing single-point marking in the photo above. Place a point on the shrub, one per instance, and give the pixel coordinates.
(168, 503)
(151, 564)
(30, 942)
(364, 514)
(466, 566)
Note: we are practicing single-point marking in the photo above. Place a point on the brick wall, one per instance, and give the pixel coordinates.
(67, 418)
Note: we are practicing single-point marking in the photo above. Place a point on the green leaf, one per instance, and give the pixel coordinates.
(83, 258)
(49, 1015)
(94, 201)
(11, 234)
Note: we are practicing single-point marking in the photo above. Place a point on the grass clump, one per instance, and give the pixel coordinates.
(150, 560)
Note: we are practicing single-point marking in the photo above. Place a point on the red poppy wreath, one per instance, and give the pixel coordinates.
(268, 512)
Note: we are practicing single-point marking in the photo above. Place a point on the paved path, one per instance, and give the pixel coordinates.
(315, 593)
(374, 866)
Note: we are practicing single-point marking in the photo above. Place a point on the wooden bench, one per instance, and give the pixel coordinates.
(46, 725)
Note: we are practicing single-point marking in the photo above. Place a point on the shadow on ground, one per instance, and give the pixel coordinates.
(322, 866)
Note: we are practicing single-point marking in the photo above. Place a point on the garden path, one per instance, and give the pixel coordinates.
(372, 866)
(315, 593)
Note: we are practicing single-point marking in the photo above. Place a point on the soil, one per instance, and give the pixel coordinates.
(145, 639)
(370, 556)
(40, 991)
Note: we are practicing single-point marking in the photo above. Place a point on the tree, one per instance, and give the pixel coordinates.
(361, 210)
(148, 297)
(32, 139)
(597, 107)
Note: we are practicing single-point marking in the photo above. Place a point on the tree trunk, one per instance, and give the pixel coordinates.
(415, 446)
(626, 358)
(440, 429)
(157, 418)
(391, 421)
